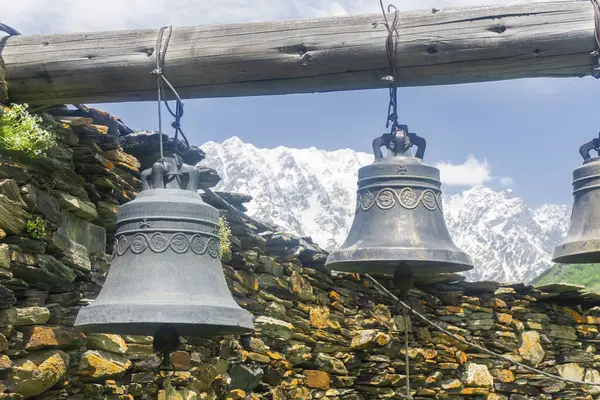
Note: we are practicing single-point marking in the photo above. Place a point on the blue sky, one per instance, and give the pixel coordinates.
(521, 134)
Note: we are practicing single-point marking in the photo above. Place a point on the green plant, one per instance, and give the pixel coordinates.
(22, 132)
(36, 229)
(225, 236)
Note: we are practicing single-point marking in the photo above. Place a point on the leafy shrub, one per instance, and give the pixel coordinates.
(225, 234)
(22, 132)
(36, 229)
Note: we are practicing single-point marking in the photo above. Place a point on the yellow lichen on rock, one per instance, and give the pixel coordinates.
(531, 349)
(38, 373)
(101, 365)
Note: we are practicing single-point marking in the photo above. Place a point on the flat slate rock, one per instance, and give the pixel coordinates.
(546, 296)
(480, 287)
(593, 297)
(560, 288)
(519, 287)
(432, 279)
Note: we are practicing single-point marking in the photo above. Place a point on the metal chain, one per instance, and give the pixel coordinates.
(467, 343)
(161, 80)
(391, 47)
(596, 53)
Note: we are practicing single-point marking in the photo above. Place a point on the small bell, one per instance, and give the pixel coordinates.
(166, 277)
(582, 244)
(398, 222)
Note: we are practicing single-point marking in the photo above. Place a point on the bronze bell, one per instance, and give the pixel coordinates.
(582, 244)
(399, 222)
(166, 271)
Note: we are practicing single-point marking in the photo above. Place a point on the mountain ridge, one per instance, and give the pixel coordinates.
(312, 192)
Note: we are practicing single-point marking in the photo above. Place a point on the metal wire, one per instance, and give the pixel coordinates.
(9, 30)
(406, 357)
(161, 80)
(465, 342)
(596, 53)
(391, 48)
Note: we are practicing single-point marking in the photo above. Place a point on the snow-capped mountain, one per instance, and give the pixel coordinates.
(506, 240)
(312, 192)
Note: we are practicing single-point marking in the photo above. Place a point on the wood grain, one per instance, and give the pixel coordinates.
(475, 44)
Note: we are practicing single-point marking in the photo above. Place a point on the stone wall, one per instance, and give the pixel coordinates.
(319, 335)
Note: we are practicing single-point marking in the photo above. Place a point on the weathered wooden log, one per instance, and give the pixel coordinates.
(436, 47)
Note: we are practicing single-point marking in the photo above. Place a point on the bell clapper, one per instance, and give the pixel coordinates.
(166, 340)
(403, 280)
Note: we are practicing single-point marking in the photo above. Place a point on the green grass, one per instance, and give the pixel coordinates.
(36, 228)
(587, 275)
(23, 132)
(225, 235)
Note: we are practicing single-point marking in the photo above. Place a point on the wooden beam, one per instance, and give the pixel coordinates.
(436, 47)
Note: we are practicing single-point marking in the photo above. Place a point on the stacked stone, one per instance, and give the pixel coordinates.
(51, 267)
(318, 335)
(112, 177)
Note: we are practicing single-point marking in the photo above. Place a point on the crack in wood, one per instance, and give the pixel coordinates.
(296, 49)
(492, 17)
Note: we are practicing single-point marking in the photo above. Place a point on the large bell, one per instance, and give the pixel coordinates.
(582, 244)
(399, 221)
(166, 268)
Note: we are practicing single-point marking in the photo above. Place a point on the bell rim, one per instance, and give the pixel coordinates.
(428, 267)
(437, 260)
(586, 251)
(144, 319)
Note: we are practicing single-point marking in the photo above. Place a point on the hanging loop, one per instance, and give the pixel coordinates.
(391, 48)
(9, 30)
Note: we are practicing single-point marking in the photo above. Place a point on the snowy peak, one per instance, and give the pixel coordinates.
(312, 192)
(507, 240)
(307, 191)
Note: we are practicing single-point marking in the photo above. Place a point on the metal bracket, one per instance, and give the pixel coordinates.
(399, 143)
(585, 149)
(171, 173)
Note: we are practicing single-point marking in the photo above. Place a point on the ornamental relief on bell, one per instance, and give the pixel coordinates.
(408, 198)
(158, 243)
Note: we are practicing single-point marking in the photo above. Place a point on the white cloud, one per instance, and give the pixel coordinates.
(470, 173)
(506, 181)
(62, 16)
